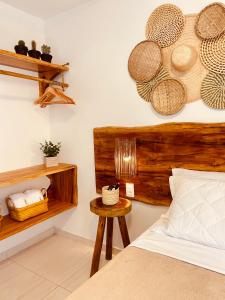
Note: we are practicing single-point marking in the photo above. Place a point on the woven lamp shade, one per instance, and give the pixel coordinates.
(213, 90)
(145, 61)
(165, 25)
(213, 55)
(168, 97)
(144, 89)
(211, 21)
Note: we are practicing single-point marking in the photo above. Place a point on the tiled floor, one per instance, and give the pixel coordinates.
(50, 270)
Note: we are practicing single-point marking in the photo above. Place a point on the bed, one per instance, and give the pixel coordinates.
(138, 273)
(158, 265)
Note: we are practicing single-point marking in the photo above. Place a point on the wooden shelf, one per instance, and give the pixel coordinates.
(11, 227)
(16, 176)
(62, 193)
(11, 59)
(45, 70)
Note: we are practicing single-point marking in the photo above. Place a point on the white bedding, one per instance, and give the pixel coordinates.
(156, 240)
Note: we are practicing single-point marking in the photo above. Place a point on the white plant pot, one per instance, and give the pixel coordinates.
(51, 161)
(110, 197)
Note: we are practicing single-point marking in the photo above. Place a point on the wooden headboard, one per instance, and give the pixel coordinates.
(159, 149)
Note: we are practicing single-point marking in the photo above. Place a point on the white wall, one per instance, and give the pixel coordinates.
(22, 125)
(97, 38)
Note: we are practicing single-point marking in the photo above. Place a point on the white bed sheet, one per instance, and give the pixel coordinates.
(156, 240)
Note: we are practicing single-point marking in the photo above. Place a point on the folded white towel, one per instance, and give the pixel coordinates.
(33, 196)
(18, 200)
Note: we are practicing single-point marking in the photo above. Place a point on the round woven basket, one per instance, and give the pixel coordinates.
(212, 91)
(168, 96)
(213, 55)
(145, 61)
(211, 21)
(144, 89)
(165, 25)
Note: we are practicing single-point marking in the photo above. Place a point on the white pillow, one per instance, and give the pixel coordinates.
(198, 174)
(197, 212)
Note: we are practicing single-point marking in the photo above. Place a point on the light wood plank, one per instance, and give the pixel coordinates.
(19, 61)
(16, 176)
(159, 149)
(11, 227)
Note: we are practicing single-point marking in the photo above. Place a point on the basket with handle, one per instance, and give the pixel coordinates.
(29, 211)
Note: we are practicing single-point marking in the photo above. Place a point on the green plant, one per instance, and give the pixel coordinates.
(33, 45)
(45, 49)
(21, 43)
(49, 149)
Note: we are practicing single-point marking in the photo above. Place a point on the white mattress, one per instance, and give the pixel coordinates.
(156, 240)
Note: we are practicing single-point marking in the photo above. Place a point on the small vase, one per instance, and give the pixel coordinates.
(51, 161)
(34, 53)
(21, 49)
(46, 57)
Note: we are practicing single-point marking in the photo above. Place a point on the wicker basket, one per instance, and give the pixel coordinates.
(24, 213)
(165, 25)
(110, 197)
(211, 21)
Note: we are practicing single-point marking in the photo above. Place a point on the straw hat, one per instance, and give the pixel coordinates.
(145, 61)
(183, 62)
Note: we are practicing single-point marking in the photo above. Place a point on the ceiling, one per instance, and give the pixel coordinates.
(44, 9)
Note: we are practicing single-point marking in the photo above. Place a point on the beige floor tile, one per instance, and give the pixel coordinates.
(58, 294)
(82, 272)
(16, 281)
(55, 258)
(40, 291)
(49, 270)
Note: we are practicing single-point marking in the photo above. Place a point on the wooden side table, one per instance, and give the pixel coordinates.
(104, 212)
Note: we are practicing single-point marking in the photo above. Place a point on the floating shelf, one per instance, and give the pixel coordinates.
(44, 69)
(62, 193)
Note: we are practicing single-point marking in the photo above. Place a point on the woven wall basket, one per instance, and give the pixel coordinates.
(145, 61)
(212, 91)
(165, 25)
(211, 21)
(213, 55)
(144, 89)
(168, 96)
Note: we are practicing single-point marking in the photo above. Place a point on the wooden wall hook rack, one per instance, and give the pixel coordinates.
(46, 71)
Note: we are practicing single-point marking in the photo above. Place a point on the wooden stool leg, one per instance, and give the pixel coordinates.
(109, 237)
(98, 245)
(124, 231)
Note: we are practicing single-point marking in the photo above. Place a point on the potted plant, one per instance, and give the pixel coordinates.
(50, 152)
(21, 48)
(46, 56)
(34, 52)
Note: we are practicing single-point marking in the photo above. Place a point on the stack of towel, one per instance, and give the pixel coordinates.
(29, 197)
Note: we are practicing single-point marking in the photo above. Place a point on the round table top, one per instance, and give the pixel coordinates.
(120, 209)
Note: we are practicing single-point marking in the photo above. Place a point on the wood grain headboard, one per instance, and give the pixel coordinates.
(159, 149)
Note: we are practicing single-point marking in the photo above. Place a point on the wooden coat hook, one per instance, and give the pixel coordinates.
(50, 90)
